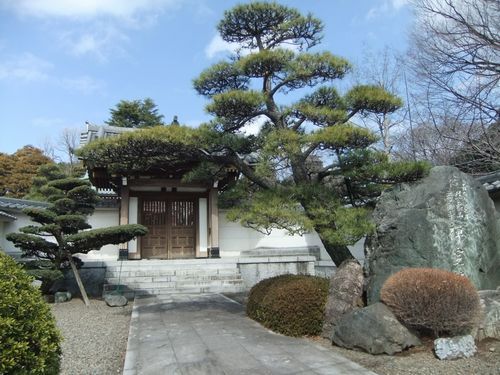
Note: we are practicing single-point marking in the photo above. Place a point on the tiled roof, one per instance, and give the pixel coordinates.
(491, 181)
(101, 131)
(6, 215)
(20, 204)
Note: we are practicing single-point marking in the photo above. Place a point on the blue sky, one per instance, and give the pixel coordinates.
(64, 62)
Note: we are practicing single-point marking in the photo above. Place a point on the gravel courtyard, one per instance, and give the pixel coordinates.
(95, 338)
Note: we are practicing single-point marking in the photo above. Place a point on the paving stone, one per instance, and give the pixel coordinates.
(210, 334)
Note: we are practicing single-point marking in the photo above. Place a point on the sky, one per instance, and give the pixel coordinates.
(65, 62)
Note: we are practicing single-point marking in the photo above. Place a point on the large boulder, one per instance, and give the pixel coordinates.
(344, 295)
(446, 220)
(489, 326)
(373, 329)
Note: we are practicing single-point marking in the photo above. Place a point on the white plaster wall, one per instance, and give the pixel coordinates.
(102, 218)
(7, 227)
(234, 238)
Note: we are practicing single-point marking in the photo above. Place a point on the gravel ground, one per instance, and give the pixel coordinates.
(421, 360)
(95, 338)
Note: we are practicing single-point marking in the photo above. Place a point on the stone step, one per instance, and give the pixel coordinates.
(179, 284)
(131, 293)
(170, 272)
(160, 279)
(168, 265)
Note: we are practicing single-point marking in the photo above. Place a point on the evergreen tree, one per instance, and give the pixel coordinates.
(64, 221)
(313, 168)
(135, 114)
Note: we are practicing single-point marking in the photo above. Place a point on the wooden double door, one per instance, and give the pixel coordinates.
(172, 226)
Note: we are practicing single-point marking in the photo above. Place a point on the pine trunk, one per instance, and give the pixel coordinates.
(338, 253)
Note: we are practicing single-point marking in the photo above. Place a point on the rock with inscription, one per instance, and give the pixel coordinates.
(446, 220)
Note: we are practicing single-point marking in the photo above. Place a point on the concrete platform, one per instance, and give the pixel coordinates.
(209, 334)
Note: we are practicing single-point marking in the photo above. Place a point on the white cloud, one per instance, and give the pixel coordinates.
(29, 69)
(219, 46)
(397, 4)
(253, 127)
(26, 68)
(86, 8)
(102, 41)
(385, 7)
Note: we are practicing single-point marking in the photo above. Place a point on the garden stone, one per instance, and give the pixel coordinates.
(446, 220)
(344, 295)
(115, 300)
(489, 326)
(36, 283)
(373, 329)
(455, 347)
(62, 297)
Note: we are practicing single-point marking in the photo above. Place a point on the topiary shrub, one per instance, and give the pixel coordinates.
(289, 304)
(29, 339)
(432, 300)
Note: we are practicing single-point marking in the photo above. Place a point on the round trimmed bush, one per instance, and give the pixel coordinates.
(29, 339)
(293, 305)
(432, 300)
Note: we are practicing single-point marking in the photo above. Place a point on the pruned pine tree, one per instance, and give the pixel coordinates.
(312, 167)
(62, 229)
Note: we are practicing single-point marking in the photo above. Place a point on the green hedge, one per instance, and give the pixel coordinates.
(293, 305)
(29, 339)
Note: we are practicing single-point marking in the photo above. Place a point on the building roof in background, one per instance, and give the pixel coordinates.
(491, 181)
(20, 204)
(100, 131)
(6, 216)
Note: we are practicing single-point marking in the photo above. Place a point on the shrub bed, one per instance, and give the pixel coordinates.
(432, 300)
(29, 339)
(293, 305)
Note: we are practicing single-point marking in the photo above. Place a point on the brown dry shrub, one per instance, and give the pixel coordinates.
(432, 300)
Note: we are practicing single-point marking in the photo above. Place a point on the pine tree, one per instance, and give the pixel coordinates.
(62, 229)
(313, 167)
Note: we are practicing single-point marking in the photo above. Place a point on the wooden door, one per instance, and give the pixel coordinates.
(154, 216)
(172, 228)
(182, 223)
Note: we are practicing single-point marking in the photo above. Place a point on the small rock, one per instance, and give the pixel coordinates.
(115, 300)
(36, 283)
(455, 347)
(492, 349)
(489, 325)
(374, 329)
(62, 297)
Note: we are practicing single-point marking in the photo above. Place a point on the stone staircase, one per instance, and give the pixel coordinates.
(159, 277)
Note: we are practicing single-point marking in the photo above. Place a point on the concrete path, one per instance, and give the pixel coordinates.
(209, 334)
